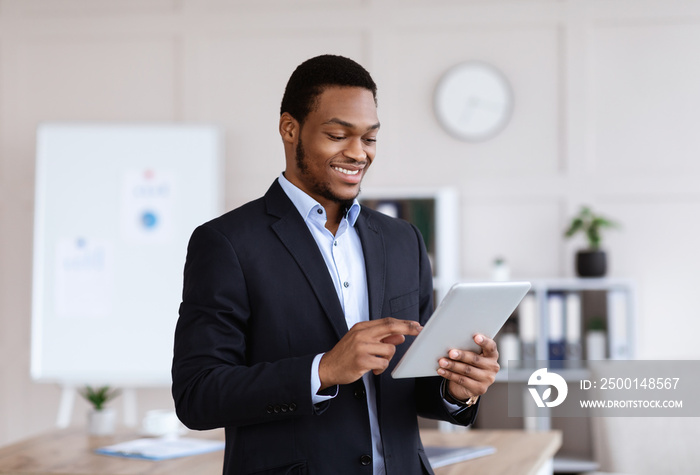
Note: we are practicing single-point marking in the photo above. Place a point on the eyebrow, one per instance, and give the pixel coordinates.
(335, 120)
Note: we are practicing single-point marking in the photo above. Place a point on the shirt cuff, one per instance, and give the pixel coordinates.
(329, 393)
(451, 408)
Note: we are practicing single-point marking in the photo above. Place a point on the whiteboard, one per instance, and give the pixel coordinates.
(115, 205)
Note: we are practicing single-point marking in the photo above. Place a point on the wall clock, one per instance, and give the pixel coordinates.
(473, 101)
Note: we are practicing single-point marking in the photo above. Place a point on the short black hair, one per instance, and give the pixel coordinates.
(314, 75)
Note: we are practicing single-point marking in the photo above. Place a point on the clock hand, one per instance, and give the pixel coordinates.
(490, 105)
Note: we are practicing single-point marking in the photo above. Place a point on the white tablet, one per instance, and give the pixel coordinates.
(466, 310)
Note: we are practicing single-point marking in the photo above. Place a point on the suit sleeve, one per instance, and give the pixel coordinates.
(213, 384)
(429, 401)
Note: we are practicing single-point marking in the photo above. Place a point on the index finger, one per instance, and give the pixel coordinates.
(488, 346)
(385, 327)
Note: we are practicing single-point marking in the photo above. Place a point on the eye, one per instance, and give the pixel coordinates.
(335, 137)
(370, 140)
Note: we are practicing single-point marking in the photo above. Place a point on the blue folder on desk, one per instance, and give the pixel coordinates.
(441, 456)
(161, 448)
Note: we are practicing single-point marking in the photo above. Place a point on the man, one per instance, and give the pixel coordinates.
(295, 307)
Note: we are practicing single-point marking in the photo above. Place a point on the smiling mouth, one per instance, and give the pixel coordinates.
(346, 171)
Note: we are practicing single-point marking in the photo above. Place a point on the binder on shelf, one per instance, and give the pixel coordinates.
(556, 341)
(617, 325)
(528, 326)
(574, 350)
(508, 348)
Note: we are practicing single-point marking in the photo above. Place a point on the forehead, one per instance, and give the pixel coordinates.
(350, 104)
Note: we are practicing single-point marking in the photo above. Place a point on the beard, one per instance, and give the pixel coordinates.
(317, 186)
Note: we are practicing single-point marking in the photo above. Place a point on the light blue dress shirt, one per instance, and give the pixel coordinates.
(345, 261)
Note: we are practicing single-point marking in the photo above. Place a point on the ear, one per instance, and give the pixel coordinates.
(289, 128)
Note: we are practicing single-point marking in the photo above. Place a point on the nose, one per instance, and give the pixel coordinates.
(356, 150)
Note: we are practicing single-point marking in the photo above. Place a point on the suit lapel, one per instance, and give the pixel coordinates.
(375, 263)
(296, 237)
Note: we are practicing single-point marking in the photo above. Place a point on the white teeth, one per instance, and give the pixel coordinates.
(347, 172)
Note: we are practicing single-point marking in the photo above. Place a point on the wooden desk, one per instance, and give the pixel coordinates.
(70, 452)
(517, 452)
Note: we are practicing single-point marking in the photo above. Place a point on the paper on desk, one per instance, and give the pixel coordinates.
(161, 448)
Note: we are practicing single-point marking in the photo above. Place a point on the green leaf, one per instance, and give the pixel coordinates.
(593, 237)
(576, 225)
(100, 396)
(603, 222)
(590, 225)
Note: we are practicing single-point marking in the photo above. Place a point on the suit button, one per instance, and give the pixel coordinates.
(359, 393)
(292, 407)
(365, 460)
(277, 409)
(284, 407)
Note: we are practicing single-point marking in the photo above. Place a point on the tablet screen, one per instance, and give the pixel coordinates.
(467, 309)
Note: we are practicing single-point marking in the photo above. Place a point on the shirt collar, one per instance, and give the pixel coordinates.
(306, 204)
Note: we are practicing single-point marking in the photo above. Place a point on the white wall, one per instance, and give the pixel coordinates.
(606, 113)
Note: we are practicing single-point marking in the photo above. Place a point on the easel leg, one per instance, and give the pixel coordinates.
(130, 410)
(65, 409)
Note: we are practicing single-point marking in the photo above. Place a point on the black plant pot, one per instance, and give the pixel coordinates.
(591, 263)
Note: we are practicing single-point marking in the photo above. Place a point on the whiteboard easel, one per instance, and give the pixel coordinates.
(115, 206)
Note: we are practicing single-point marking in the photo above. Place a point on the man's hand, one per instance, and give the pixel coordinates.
(367, 346)
(470, 374)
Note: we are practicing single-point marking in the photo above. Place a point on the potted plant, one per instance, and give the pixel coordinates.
(596, 339)
(101, 419)
(592, 261)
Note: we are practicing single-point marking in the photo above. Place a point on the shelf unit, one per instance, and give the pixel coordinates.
(610, 299)
(617, 312)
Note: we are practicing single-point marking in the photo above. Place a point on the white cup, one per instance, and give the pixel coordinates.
(161, 422)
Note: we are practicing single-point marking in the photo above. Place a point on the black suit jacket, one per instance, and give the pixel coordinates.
(258, 305)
